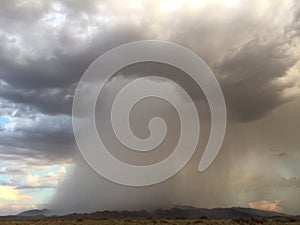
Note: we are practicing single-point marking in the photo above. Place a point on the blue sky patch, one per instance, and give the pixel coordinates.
(4, 120)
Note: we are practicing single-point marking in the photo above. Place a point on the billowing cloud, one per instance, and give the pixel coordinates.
(253, 50)
(49, 180)
(9, 193)
(249, 76)
(266, 205)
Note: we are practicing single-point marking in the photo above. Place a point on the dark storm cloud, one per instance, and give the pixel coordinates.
(46, 46)
(62, 69)
(39, 70)
(42, 65)
(29, 133)
(48, 138)
(48, 100)
(48, 80)
(249, 76)
(49, 84)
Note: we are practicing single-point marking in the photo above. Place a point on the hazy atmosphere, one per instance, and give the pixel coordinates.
(252, 47)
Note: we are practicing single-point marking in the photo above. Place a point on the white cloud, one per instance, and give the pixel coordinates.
(50, 180)
(266, 205)
(10, 193)
(32, 180)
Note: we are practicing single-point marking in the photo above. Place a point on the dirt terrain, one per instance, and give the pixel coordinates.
(150, 221)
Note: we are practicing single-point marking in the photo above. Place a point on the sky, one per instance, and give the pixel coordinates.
(252, 47)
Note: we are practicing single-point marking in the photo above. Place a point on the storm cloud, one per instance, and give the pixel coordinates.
(253, 49)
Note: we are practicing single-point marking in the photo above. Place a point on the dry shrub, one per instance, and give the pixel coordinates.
(250, 220)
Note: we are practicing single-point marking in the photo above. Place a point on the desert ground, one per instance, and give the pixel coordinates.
(151, 221)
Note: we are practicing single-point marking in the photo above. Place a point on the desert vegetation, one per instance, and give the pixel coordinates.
(151, 221)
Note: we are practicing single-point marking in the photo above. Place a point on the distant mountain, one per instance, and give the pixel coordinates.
(215, 213)
(178, 212)
(35, 213)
